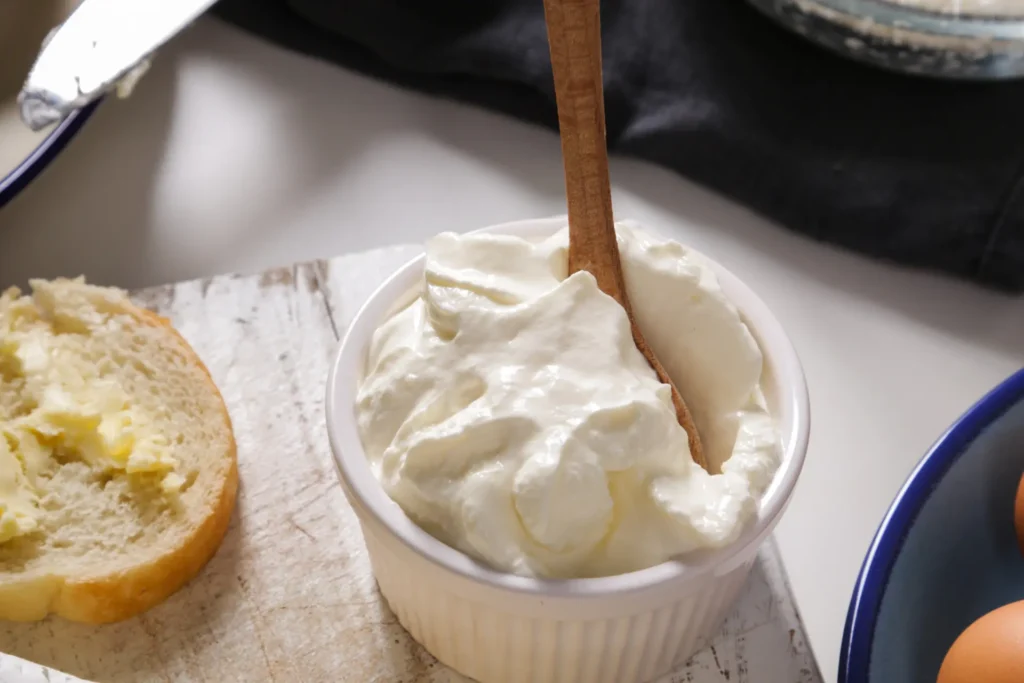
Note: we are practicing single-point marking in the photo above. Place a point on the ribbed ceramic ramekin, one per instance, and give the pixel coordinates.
(501, 628)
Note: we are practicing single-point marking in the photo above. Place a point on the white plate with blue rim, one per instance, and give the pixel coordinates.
(946, 552)
(24, 153)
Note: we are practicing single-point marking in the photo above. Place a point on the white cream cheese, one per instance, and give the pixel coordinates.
(509, 413)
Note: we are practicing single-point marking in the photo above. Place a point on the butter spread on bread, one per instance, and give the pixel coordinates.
(117, 460)
(70, 410)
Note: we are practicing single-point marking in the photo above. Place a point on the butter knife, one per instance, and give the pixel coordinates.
(103, 44)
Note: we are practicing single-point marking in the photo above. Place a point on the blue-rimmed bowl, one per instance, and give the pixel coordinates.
(24, 25)
(946, 552)
(51, 143)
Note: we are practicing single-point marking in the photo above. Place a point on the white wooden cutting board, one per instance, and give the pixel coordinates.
(290, 597)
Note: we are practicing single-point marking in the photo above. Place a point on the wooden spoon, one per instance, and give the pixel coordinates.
(574, 35)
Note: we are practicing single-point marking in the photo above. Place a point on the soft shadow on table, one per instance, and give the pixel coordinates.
(324, 120)
(96, 193)
(340, 137)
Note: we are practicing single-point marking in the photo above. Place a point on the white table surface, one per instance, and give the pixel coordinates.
(233, 155)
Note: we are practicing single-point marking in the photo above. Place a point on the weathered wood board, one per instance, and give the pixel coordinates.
(290, 597)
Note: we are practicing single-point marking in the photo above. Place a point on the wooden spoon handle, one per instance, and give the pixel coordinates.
(574, 34)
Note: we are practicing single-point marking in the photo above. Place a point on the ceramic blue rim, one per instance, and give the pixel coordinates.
(862, 617)
(52, 145)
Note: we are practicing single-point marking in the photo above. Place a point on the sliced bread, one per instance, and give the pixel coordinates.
(117, 457)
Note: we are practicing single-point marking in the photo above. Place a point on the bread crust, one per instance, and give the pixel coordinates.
(117, 596)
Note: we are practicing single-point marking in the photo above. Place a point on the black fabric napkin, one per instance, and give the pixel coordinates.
(922, 172)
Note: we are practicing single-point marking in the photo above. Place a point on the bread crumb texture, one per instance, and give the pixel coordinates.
(115, 448)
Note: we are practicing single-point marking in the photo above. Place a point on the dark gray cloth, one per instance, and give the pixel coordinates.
(921, 172)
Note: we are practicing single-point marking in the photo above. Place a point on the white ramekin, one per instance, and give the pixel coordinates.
(501, 628)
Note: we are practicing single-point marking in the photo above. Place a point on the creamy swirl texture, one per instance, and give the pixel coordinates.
(509, 413)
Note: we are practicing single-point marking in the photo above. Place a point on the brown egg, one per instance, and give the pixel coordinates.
(991, 650)
(1018, 514)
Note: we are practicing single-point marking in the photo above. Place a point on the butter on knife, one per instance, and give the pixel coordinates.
(104, 44)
